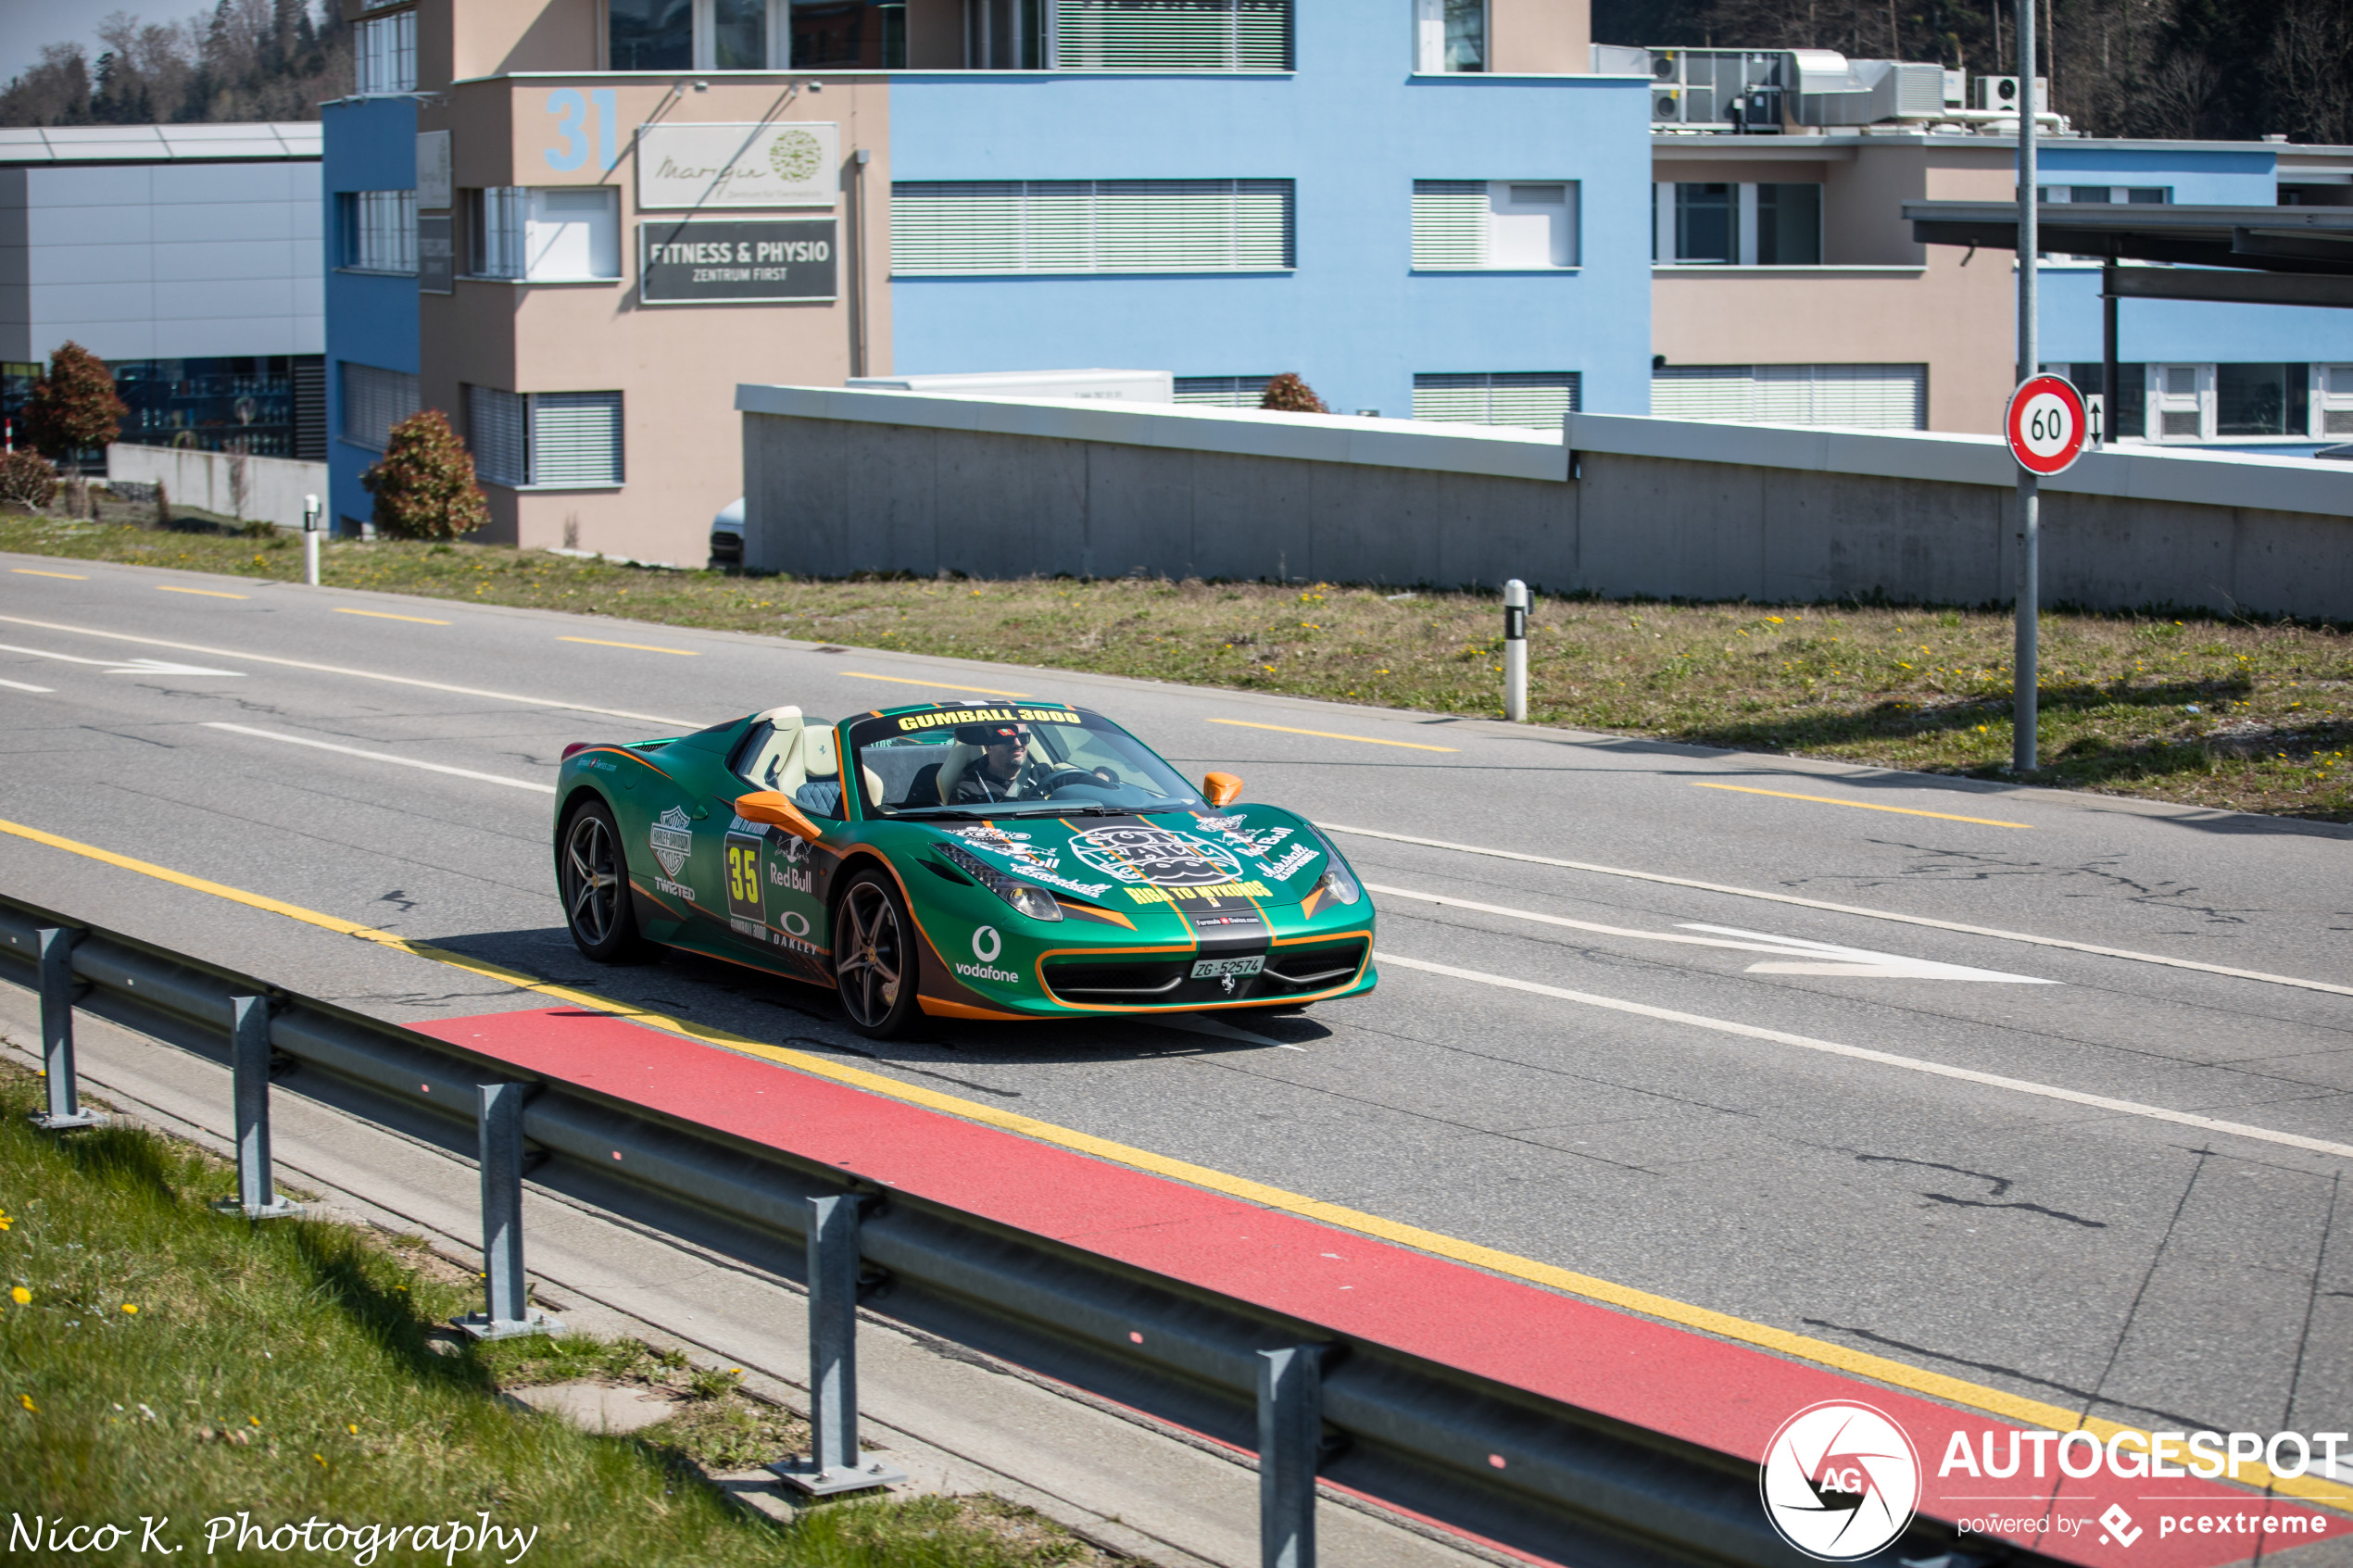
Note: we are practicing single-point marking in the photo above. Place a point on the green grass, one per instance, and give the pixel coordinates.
(166, 1361)
(2206, 710)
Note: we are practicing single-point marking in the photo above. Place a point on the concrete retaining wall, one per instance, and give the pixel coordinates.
(839, 482)
(253, 489)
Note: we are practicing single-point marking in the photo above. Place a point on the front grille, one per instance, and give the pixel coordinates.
(1312, 965)
(1093, 981)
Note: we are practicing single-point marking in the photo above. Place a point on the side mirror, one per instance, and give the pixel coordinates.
(771, 810)
(1221, 788)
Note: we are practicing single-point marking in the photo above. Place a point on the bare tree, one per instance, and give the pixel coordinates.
(2311, 75)
(249, 60)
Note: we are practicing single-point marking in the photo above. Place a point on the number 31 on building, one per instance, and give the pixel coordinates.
(577, 113)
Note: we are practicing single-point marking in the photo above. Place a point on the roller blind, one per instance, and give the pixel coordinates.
(946, 227)
(494, 431)
(373, 401)
(1857, 397)
(1450, 222)
(1222, 392)
(575, 438)
(1534, 399)
(1172, 35)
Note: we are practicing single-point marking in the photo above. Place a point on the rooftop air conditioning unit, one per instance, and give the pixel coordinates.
(1998, 94)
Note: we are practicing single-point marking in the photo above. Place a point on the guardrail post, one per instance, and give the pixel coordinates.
(833, 1462)
(500, 1120)
(1290, 1433)
(249, 1068)
(54, 952)
(1515, 651)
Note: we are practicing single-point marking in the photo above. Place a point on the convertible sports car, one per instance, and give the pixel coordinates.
(1027, 860)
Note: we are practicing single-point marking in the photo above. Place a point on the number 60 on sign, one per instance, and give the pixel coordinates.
(2045, 424)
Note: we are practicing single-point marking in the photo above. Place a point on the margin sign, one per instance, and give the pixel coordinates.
(2045, 424)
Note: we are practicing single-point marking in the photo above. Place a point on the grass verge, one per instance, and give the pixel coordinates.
(2205, 710)
(160, 1361)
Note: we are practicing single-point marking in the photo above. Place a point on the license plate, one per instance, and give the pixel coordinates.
(1216, 969)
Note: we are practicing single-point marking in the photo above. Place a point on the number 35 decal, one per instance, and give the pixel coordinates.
(574, 112)
(743, 876)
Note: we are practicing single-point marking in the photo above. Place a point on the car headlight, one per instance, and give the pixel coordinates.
(1338, 882)
(1035, 902)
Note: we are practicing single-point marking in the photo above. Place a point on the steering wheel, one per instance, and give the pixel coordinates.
(1101, 777)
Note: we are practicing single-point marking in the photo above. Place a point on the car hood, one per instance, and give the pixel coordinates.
(1272, 854)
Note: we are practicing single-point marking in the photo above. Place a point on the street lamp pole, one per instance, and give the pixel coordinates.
(2025, 671)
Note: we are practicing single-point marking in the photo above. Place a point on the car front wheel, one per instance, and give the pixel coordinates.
(874, 957)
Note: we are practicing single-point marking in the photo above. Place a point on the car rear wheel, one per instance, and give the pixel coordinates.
(592, 872)
(874, 957)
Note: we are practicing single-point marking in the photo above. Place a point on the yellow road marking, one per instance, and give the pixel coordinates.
(387, 615)
(641, 648)
(29, 571)
(937, 686)
(1330, 734)
(1865, 805)
(207, 593)
(1934, 1384)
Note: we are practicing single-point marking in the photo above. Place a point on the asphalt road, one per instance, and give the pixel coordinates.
(1604, 1067)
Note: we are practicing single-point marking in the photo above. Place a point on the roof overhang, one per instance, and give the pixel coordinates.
(2306, 240)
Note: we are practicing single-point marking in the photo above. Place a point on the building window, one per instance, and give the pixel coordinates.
(494, 231)
(649, 34)
(2182, 398)
(1450, 35)
(2262, 400)
(2335, 391)
(384, 54)
(250, 404)
(1244, 391)
(373, 401)
(1726, 224)
(2136, 195)
(1538, 399)
(983, 227)
(1006, 34)
(1857, 397)
(543, 234)
(2129, 419)
(553, 440)
(1170, 34)
(1494, 223)
(379, 230)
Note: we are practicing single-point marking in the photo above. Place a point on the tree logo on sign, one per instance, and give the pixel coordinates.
(794, 154)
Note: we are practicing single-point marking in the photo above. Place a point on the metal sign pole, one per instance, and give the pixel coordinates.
(2026, 662)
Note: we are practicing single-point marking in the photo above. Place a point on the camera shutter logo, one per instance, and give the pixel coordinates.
(1840, 1481)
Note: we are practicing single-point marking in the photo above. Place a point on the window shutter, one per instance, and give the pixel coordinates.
(375, 401)
(1857, 396)
(1222, 392)
(1172, 35)
(1537, 399)
(1450, 223)
(946, 227)
(494, 434)
(575, 438)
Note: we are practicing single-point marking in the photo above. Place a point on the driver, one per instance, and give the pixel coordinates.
(1004, 771)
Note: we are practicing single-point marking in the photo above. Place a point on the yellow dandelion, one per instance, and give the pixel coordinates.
(352, 1427)
(322, 1463)
(21, 1295)
(132, 1307)
(26, 1400)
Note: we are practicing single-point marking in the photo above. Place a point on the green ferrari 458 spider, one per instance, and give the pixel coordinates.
(1028, 860)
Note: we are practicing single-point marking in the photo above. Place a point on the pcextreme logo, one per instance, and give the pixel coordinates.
(1840, 1481)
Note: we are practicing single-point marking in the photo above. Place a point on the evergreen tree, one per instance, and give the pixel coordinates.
(74, 408)
(424, 487)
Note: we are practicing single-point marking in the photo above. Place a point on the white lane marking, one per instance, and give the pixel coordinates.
(1884, 1058)
(1827, 958)
(21, 686)
(382, 757)
(1820, 957)
(1851, 910)
(360, 675)
(122, 666)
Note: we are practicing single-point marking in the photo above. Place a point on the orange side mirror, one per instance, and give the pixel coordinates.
(1221, 788)
(771, 808)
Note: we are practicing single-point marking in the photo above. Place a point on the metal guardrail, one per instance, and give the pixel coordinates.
(1526, 1472)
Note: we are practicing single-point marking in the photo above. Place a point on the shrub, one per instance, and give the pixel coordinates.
(27, 480)
(425, 488)
(74, 406)
(1287, 393)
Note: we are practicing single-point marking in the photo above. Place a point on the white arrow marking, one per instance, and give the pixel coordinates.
(1862, 963)
(142, 666)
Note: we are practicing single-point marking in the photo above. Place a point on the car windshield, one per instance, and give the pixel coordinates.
(1011, 760)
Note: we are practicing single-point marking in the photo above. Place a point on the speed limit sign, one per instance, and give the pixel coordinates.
(2045, 424)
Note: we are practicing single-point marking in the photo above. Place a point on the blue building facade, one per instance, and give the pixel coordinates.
(373, 343)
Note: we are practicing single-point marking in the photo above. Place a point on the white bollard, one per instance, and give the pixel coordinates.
(1515, 651)
(310, 540)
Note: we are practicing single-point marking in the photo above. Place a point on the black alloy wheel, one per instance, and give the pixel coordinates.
(593, 873)
(874, 957)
